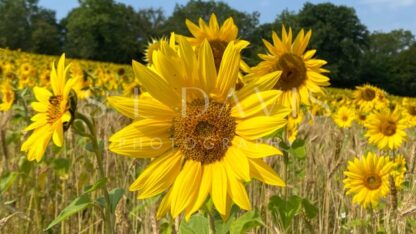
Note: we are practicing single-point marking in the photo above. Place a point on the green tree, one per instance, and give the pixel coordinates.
(389, 62)
(24, 25)
(45, 34)
(103, 30)
(14, 26)
(339, 37)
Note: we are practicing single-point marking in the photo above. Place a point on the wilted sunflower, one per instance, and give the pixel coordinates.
(53, 113)
(201, 141)
(344, 117)
(367, 179)
(6, 96)
(368, 98)
(218, 37)
(287, 67)
(386, 129)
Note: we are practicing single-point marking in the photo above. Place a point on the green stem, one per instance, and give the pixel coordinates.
(108, 220)
(211, 223)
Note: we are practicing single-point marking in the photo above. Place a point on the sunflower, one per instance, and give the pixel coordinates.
(386, 129)
(218, 37)
(53, 113)
(202, 142)
(290, 69)
(410, 113)
(6, 96)
(368, 98)
(399, 170)
(344, 117)
(368, 179)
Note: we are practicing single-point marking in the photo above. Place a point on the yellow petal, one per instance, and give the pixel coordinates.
(263, 172)
(58, 135)
(219, 187)
(159, 175)
(155, 85)
(42, 94)
(186, 184)
(208, 72)
(238, 193)
(257, 127)
(236, 161)
(204, 189)
(259, 103)
(228, 72)
(255, 150)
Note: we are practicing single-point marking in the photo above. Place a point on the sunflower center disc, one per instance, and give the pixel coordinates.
(412, 110)
(368, 94)
(54, 110)
(373, 182)
(389, 128)
(218, 48)
(293, 72)
(204, 131)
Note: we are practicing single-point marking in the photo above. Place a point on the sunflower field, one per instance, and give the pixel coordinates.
(194, 140)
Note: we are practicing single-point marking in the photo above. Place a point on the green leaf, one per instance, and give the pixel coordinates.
(7, 180)
(246, 222)
(61, 164)
(298, 149)
(99, 184)
(115, 196)
(79, 204)
(198, 224)
(79, 127)
(285, 209)
(310, 209)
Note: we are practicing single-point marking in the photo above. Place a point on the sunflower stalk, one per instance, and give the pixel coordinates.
(108, 219)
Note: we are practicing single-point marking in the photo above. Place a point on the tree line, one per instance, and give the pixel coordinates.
(109, 31)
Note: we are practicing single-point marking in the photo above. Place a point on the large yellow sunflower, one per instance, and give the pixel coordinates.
(202, 142)
(218, 37)
(367, 179)
(6, 96)
(53, 113)
(287, 67)
(386, 129)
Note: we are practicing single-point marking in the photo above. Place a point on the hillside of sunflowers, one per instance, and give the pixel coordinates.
(199, 137)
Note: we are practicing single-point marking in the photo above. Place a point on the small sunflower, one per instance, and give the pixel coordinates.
(367, 179)
(7, 96)
(218, 37)
(53, 113)
(203, 143)
(410, 113)
(344, 117)
(399, 170)
(369, 98)
(287, 67)
(386, 129)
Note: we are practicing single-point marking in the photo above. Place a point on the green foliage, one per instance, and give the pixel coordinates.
(198, 224)
(102, 30)
(115, 196)
(286, 210)
(79, 204)
(26, 26)
(246, 222)
(340, 38)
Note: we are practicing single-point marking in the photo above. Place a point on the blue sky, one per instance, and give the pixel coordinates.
(377, 15)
